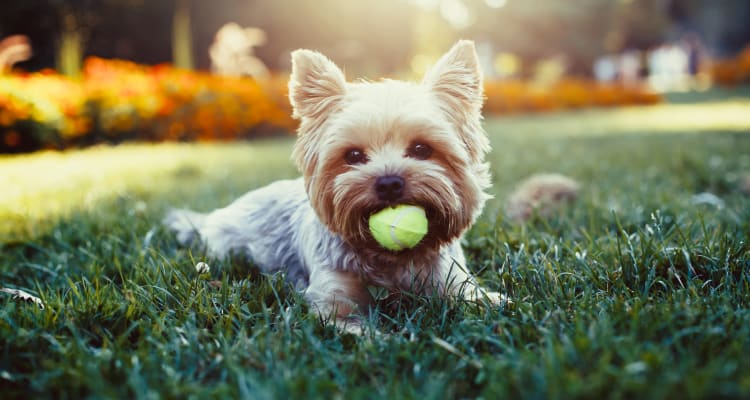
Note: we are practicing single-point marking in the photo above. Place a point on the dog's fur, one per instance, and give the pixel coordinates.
(315, 228)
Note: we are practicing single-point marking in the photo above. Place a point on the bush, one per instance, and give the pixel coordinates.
(118, 100)
(40, 110)
(732, 71)
(519, 96)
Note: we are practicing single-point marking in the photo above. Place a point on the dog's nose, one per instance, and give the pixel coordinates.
(389, 187)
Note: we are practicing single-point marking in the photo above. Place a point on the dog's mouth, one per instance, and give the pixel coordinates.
(372, 210)
(430, 211)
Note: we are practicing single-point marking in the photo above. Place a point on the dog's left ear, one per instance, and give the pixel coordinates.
(457, 79)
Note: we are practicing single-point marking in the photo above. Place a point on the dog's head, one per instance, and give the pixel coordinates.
(364, 146)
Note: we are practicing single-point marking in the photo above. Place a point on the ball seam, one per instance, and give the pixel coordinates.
(404, 211)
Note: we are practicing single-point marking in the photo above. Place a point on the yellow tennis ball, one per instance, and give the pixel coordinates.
(398, 228)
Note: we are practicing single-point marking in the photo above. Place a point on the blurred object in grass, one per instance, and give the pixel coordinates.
(21, 295)
(202, 268)
(541, 194)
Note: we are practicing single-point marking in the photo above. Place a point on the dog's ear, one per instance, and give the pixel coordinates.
(457, 79)
(316, 84)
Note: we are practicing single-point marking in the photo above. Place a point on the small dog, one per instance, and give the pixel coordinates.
(361, 147)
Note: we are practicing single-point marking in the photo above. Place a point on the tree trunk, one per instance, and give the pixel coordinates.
(182, 39)
(70, 52)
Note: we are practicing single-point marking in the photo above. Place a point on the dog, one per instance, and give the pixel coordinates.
(361, 147)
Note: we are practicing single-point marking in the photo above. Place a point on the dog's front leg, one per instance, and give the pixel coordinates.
(339, 295)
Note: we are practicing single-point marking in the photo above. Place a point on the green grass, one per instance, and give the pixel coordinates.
(634, 291)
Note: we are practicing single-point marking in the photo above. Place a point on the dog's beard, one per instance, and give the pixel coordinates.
(346, 202)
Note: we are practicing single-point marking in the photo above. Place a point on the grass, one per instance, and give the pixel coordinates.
(634, 291)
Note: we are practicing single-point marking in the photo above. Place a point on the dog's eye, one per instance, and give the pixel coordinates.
(355, 156)
(419, 151)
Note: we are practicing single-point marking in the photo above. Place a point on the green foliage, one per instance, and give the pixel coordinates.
(634, 291)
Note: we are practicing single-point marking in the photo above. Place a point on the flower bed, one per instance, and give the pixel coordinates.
(518, 96)
(119, 100)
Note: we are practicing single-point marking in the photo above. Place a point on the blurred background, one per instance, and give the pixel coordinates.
(78, 72)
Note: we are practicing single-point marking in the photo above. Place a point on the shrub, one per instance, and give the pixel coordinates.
(119, 100)
(732, 71)
(515, 96)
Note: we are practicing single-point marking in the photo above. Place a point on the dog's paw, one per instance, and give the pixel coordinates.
(479, 295)
(496, 298)
(356, 327)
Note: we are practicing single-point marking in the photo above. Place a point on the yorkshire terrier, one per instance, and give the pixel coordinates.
(361, 147)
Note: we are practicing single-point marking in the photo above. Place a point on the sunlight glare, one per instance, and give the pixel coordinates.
(495, 3)
(456, 13)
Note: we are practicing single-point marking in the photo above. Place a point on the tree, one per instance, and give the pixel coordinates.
(182, 38)
(65, 24)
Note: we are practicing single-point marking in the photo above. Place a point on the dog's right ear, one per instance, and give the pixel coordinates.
(316, 84)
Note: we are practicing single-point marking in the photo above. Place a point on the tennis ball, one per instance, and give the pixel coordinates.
(400, 227)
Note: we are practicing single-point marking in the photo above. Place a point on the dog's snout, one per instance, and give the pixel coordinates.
(389, 187)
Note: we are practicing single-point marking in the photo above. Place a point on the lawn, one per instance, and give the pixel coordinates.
(640, 289)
